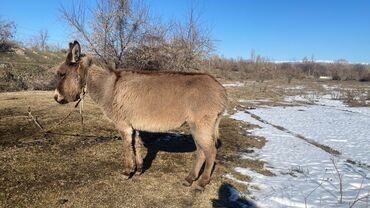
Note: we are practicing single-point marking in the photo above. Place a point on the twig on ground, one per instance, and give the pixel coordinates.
(34, 119)
(359, 190)
(359, 199)
(340, 181)
(319, 185)
(306, 197)
(80, 135)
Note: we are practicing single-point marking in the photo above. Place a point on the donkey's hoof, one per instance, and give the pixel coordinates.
(139, 171)
(187, 182)
(126, 175)
(203, 182)
(199, 188)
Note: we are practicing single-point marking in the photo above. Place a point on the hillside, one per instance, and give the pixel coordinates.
(27, 69)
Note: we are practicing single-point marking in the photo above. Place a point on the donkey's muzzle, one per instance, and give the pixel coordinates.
(62, 101)
(59, 98)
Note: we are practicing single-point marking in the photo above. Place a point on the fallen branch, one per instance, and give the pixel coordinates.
(34, 119)
(78, 135)
(360, 199)
(306, 197)
(357, 199)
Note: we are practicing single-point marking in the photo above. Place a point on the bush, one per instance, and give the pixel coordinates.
(365, 77)
(262, 69)
(7, 32)
(6, 46)
(26, 77)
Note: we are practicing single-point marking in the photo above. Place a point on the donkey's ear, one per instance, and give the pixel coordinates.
(70, 47)
(74, 52)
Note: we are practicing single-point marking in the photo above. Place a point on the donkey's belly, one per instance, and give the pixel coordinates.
(156, 124)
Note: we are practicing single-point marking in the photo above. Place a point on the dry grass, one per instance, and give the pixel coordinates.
(38, 170)
(273, 92)
(53, 170)
(28, 69)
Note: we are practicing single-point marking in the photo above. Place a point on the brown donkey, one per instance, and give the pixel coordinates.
(148, 101)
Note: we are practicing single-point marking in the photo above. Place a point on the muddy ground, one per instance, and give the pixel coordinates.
(81, 165)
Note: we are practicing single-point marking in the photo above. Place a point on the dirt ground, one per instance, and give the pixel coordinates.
(81, 166)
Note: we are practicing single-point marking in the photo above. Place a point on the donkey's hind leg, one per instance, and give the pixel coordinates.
(199, 160)
(203, 133)
(208, 146)
(138, 153)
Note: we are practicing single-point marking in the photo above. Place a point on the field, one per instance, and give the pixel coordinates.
(63, 169)
(27, 69)
(294, 132)
(301, 143)
(316, 147)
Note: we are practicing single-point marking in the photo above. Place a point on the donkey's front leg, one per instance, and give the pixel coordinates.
(129, 164)
(138, 152)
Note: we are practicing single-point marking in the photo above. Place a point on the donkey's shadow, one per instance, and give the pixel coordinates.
(167, 142)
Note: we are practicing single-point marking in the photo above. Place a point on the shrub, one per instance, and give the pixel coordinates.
(7, 32)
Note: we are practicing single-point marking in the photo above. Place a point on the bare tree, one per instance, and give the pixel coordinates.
(253, 57)
(115, 27)
(179, 45)
(122, 32)
(7, 32)
(192, 41)
(40, 41)
(43, 39)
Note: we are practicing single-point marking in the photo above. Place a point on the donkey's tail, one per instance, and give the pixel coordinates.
(216, 131)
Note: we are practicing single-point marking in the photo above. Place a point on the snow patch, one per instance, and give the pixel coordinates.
(305, 174)
(235, 84)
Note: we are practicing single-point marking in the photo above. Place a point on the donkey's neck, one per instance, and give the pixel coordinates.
(100, 86)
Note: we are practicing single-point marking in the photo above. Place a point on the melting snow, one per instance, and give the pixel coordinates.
(305, 174)
(236, 84)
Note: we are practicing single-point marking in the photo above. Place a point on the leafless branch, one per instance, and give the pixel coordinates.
(309, 194)
(340, 181)
(367, 196)
(124, 33)
(75, 17)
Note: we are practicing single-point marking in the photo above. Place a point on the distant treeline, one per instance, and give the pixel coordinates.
(262, 69)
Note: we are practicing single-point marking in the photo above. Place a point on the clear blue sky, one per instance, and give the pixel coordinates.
(277, 29)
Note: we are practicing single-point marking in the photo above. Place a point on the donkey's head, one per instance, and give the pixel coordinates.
(70, 76)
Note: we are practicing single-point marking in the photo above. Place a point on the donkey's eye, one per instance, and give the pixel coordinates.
(61, 74)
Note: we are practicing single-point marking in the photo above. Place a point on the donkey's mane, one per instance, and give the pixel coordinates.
(101, 63)
(163, 72)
